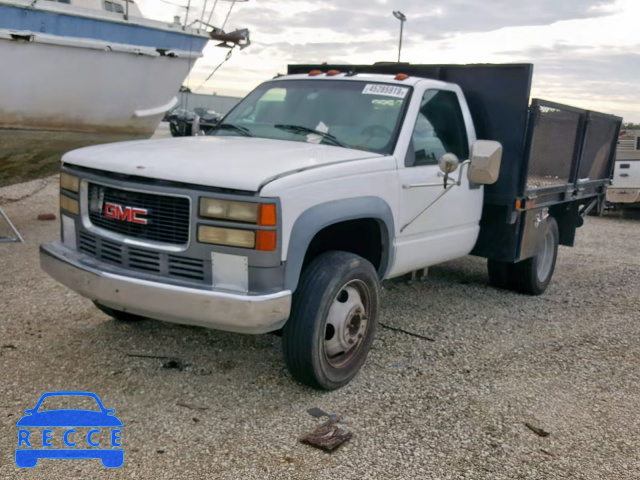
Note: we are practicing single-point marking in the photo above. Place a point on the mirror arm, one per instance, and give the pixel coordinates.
(458, 182)
(446, 189)
(427, 207)
(462, 165)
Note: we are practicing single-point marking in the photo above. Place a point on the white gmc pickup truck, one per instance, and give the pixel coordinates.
(312, 190)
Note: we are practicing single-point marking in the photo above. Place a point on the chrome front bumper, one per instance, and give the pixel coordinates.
(191, 306)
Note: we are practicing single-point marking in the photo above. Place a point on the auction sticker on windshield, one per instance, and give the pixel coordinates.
(385, 90)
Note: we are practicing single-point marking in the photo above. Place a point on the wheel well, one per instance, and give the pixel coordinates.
(366, 237)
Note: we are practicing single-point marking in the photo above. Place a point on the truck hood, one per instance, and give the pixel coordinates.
(238, 163)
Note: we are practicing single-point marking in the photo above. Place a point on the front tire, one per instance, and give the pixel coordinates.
(532, 276)
(333, 320)
(124, 317)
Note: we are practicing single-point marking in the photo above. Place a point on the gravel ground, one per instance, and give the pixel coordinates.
(455, 407)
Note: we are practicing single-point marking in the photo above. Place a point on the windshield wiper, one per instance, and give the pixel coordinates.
(301, 129)
(230, 126)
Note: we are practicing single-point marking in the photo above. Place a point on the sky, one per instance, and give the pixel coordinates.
(586, 52)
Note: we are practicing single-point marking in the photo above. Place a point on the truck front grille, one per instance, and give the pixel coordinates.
(185, 267)
(142, 260)
(167, 217)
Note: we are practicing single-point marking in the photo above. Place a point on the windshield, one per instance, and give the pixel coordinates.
(353, 114)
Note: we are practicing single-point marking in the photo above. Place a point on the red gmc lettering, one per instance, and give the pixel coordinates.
(126, 214)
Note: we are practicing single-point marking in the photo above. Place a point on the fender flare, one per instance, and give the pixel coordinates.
(311, 221)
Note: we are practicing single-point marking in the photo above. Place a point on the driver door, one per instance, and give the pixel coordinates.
(449, 227)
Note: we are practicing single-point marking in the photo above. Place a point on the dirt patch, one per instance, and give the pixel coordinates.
(27, 155)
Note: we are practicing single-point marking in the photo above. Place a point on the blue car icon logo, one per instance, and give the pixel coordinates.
(83, 433)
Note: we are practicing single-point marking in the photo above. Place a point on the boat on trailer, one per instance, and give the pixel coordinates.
(83, 72)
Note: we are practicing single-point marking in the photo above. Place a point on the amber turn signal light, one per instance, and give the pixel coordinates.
(267, 216)
(266, 240)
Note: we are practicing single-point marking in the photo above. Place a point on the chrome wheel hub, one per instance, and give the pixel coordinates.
(347, 322)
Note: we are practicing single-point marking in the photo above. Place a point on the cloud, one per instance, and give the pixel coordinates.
(437, 19)
(584, 50)
(604, 80)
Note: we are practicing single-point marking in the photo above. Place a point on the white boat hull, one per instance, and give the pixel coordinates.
(58, 98)
(82, 88)
(72, 77)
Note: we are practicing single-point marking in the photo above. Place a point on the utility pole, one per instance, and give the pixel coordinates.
(400, 16)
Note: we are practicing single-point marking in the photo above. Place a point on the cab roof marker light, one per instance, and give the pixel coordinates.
(401, 76)
(313, 73)
(331, 73)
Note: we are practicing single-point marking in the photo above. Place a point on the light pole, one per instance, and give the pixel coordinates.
(400, 16)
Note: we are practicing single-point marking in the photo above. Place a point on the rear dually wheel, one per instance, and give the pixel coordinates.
(533, 275)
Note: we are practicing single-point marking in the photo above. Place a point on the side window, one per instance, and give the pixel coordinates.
(108, 6)
(118, 8)
(439, 129)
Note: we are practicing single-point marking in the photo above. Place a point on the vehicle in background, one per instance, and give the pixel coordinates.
(319, 185)
(182, 121)
(172, 113)
(625, 187)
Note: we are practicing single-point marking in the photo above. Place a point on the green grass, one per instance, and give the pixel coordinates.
(18, 170)
(29, 154)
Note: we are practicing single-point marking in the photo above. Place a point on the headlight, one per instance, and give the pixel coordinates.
(263, 214)
(227, 236)
(69, 182)
(228, 210)
(69, 204)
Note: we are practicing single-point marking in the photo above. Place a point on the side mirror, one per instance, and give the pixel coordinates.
(486, 157)
(448, 163)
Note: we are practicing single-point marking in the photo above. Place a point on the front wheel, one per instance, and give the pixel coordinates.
(333, 320)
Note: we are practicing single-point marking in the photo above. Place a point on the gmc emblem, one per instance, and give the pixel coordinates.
(126, 214)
